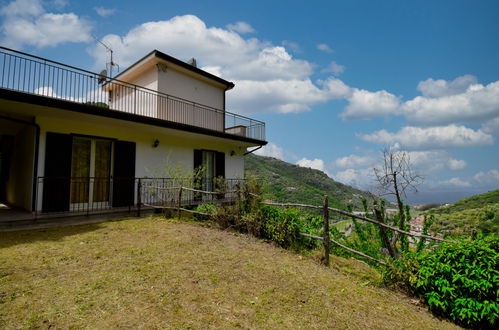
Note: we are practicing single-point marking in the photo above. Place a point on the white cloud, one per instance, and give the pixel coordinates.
(27, 23)
(430, 137)
(334, 68)
(104, 12)
(241, 27)
(434, 160)
(317, 164)
(364, 104)
(461, 100)
(325, 48)
(476, 104)
(456, 182)
(438, 88)
(267, 77)
(271, 150)
(354, 161)
(360, 178)
(491, 126)
(23, 8)
(489, 177)
(456, 164)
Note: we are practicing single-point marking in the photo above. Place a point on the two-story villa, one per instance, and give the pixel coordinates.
(73, 140)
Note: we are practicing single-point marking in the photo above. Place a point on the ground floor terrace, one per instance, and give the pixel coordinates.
(54, 161)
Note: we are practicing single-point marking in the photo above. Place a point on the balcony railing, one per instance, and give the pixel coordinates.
(35, 75)
(94, 195)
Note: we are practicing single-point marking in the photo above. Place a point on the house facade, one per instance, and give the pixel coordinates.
(74, 140)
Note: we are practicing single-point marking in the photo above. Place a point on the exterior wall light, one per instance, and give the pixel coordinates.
(155, 144)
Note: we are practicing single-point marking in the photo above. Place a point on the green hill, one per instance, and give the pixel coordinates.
(479, 212)
(285, 182)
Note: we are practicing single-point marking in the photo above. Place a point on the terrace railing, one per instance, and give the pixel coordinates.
(95, 195)
(39, 76)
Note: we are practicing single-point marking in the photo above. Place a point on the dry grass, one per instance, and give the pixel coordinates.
(160, 274)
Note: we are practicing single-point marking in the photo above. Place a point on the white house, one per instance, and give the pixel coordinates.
(71, 139)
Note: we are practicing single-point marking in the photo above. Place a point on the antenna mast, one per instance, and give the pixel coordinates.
(111, 63)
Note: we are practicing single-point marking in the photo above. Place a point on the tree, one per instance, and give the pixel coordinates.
(394, 178)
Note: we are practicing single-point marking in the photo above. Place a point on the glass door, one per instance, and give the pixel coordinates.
(90, 173)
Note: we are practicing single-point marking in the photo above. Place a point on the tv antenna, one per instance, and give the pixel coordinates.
(111, 63)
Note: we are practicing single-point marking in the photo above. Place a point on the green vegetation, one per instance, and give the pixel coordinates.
(478, 213)
(457, 280)
(285, 182)
(473, 202)
(161, 274)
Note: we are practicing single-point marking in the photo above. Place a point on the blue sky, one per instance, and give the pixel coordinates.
(335, 81)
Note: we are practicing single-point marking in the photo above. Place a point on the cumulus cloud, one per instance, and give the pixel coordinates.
(317, 164)
(25, 22)
(476, 104)
(430, 137)
(489, 177)
(271, 150)
(491, 126)
(456, 182)
(364, 104)
(360, 178)
(461, 100)
(354, 161)
(438, 88)
(334, 68)
(104, 12)
(429, 161)
(325, 48)
(241, 27)
(456, 164)
(267, 77)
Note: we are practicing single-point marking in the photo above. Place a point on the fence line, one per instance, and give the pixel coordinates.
(326, 239)
(360, 218)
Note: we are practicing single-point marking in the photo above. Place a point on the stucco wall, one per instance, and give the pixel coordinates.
(138, 101)
(19, 186)
(172, 151)
(181, 85)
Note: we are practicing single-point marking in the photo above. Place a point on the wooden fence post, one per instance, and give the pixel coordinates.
(179, 203)
(326, 231)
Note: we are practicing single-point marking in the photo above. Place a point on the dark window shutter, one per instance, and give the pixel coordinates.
(198, 158)
(124, 173)
(220, 165)
(56, 184)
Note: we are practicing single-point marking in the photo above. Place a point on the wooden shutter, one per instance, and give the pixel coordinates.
(124, 173)
(56, 184)
(198, 158)
(220, 164)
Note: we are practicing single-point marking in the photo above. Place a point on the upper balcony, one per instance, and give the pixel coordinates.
(38, 76)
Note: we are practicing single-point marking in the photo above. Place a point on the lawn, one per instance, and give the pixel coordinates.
(162, 274)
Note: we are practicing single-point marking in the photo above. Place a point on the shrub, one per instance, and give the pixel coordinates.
(204, 208)
(281, 225)
(459, 280)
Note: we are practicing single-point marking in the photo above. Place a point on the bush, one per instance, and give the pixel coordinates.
(459, 280)
(281, 225)
(204, 208)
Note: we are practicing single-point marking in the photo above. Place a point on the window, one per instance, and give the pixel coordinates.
(213, 165)
(90, 170)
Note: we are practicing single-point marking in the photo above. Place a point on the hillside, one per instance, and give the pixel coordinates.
(285, 182)
(479, 212)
